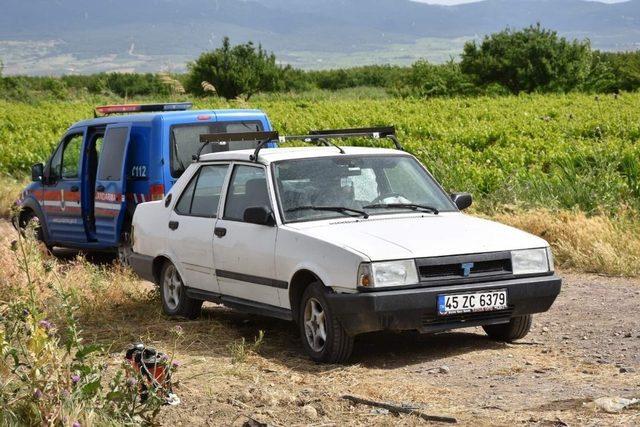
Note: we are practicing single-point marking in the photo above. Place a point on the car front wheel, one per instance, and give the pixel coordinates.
(175, 301)
(517, 328)
(323, 337)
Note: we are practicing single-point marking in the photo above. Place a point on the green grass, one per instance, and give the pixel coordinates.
(559, 151)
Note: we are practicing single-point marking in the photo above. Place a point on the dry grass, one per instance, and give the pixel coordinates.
(10, 189)
(595, 244)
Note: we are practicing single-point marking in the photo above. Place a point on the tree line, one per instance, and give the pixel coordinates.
(512, 61)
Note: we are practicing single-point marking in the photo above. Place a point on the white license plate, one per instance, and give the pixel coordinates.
(472, 302)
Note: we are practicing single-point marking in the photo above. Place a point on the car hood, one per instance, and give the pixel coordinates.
(388, 237)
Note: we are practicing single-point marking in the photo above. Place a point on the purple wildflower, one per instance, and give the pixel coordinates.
(75, 378)
(178, 330)
(164, 357)
(45, 324)
(176, 364)
(76, 424)
(131, 382)
(37, 393)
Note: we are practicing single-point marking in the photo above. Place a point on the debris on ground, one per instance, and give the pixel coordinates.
(400, 409)
(613, 405)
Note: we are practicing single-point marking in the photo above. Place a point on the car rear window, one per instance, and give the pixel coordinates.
(185, 140)
(202, 195)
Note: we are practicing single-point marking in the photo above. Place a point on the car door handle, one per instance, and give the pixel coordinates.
(74, 189)
(173, 225)
(220, 231)
(100, 188)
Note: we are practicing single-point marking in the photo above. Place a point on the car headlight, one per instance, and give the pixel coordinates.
(531, 261)
(387, 273)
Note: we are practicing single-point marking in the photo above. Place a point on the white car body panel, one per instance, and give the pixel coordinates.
(391, 237)
(331, 249)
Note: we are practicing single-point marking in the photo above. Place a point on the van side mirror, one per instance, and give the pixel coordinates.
(462, 200)
(260, 215)
(37, 172)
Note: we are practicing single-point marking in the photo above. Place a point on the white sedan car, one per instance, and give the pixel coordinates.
(341, 241)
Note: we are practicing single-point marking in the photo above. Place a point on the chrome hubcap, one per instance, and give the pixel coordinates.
(172, 287)
(315, 327)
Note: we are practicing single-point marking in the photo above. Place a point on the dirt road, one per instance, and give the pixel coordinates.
(586, 347)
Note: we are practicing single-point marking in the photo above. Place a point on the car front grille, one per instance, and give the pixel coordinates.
(465, 267)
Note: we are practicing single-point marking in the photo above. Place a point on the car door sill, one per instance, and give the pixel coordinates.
(240, 304)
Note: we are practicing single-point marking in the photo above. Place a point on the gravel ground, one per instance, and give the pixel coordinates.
(586, 347)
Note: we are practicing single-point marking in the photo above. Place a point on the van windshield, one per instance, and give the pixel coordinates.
(185, 140)
(333, 187)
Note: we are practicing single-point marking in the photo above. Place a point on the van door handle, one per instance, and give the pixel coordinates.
(74, 189)
(220, 231)
(173, 225)
(100, 188)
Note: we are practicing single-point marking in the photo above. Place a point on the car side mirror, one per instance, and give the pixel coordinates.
(260, 215)
(462, 200)
(37, 172)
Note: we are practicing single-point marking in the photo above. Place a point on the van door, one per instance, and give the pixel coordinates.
(109, 201)
(62, 192)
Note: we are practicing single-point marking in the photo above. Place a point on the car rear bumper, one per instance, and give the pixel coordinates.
(417, 309)
(143, 266)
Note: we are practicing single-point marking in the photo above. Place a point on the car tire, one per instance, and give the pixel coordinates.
(175, 301)
(323, 337)
(517, 328)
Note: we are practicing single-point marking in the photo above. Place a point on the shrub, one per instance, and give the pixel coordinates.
(533, 59)
(233, 71)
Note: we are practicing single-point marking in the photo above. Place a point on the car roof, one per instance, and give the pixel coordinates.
(148, 117)
(270, 155)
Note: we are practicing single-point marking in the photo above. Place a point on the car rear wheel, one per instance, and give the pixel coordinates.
(517, 328)
(175, 301)
(323, 337)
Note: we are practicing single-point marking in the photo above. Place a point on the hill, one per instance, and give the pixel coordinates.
(62, 36)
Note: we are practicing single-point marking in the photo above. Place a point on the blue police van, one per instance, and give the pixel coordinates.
(84, 196)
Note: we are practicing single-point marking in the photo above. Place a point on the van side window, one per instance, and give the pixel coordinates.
(202, 195)
(112, 155)
(71, 157)
(248, 188)
(55, 165)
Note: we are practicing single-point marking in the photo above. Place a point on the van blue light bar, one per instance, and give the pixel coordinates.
(105, 110)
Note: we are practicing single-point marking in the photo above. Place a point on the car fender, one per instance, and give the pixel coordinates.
(335, 265)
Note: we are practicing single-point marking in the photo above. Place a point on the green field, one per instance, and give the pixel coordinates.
(556, 151)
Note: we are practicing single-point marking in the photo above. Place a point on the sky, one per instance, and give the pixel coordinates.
(450, 2)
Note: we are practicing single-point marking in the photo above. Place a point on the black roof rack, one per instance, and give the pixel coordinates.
(316, 136)
(263, 138)
(326, 134)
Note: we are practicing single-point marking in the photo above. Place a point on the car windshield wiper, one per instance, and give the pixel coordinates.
(412, 206)
(341, 209)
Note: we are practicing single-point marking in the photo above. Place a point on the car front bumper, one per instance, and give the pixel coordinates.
(417, 308)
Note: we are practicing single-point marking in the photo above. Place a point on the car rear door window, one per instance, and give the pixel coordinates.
(202, 195)
(248, 188)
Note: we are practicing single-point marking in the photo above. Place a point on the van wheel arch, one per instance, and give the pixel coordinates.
(299, 282)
